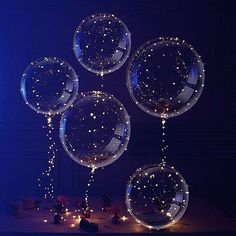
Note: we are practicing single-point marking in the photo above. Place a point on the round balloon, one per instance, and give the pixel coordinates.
(165, 77)
(157, 196)
(102, 43)
(49, 85)
(95, 131)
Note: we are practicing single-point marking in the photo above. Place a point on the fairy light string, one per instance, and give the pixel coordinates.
(101, 76)
(46, 182)
(49, 85)
(102, 83)
(164, 144)
(86, 197)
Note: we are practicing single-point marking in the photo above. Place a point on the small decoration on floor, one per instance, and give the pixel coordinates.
(16, 208)
(57, 219)
(62, 199)
(28, 203)
(165, 77)
(59, 208)
(106, 199)
(116, 219)
(88, 226)
(38, 204)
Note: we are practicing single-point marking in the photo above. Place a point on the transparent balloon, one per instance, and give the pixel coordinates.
(157, 196)
(165, 77)
(95, 131)
(102, 43)
(49, 85)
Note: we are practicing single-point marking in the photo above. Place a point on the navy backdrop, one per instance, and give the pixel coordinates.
(202, 141)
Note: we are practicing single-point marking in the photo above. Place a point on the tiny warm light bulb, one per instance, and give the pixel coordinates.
(168, 214)
(77, 221)
(72, 225)
(124, 218)
(45, 221)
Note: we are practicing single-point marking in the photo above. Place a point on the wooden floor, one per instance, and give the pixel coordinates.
(201, 218)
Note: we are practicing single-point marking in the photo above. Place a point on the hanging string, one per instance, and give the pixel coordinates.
(86, 198)
(102, 77)
(164, 145)
(46, 182)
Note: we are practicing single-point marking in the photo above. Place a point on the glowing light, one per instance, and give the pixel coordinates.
(124, 218)
(78, 220)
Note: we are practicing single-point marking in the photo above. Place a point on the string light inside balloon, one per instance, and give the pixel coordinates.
(95, 131)
(157, 196)
(102, 43)
(166, 77)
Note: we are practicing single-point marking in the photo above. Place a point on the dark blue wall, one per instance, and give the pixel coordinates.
(202, 141)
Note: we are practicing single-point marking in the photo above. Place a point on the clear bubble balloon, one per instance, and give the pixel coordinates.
(157, 196)
(165, 77)
(95, 131)
(102, 43)
(49, 85)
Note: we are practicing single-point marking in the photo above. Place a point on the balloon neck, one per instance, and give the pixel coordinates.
(93, 170)
(49, 118)
(164, 115)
